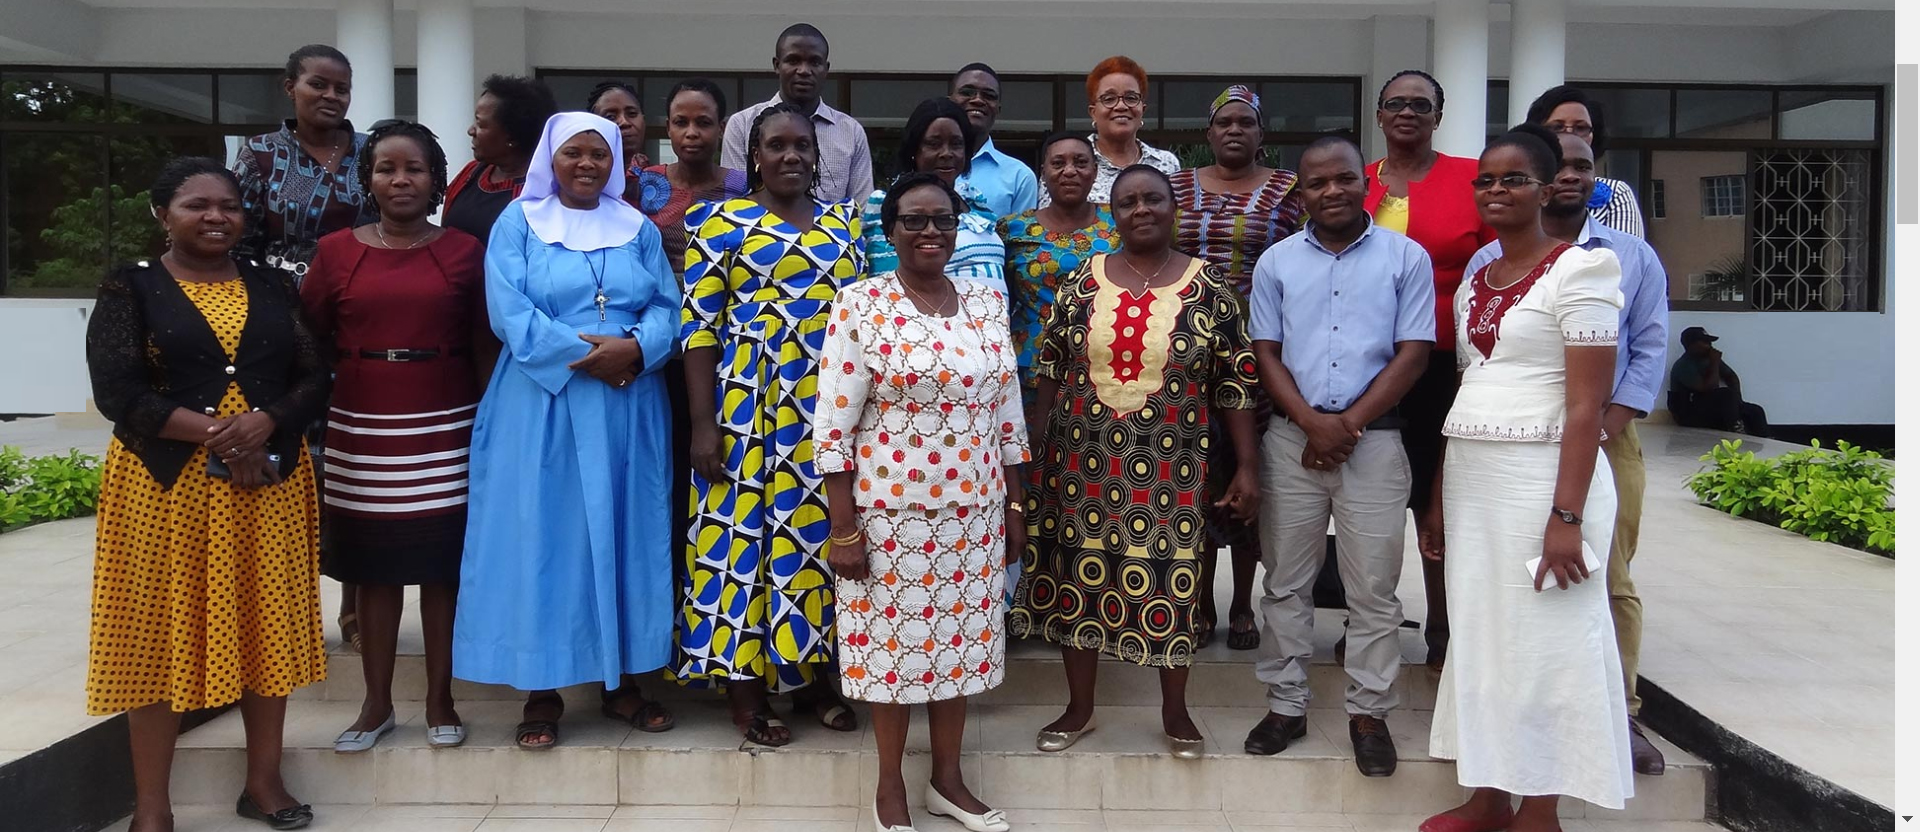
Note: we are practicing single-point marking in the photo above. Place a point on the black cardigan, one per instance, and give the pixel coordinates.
(150, 350)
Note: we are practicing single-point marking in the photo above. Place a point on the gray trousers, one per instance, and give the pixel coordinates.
(1367, 500)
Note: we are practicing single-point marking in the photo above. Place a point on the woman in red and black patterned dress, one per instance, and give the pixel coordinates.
(402, 304)
(1144, 349)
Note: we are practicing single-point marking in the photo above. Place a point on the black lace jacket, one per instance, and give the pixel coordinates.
(150, 351)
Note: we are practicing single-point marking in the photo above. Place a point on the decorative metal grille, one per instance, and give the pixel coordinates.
(1810, 225)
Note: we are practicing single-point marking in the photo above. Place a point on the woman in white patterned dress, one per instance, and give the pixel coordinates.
(919, 436)
(1530, 703)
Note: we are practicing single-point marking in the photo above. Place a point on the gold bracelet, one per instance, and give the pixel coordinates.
(1018, 507)
(849, 540)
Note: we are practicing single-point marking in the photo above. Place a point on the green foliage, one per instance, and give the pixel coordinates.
(1843, 495)
(53, 487)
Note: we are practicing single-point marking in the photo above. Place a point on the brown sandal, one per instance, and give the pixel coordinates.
(350, 630)
(760, 727)
(525, 733)
(651, 717)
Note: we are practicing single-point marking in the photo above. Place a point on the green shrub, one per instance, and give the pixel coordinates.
(1839, 496)
(54, 487)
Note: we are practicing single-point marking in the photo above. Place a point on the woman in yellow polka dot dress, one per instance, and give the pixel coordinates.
(206, 566)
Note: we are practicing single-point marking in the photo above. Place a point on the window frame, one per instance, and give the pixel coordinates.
(215, 127)
(1876, 148)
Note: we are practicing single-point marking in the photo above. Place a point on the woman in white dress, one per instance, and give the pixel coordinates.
(1530, 702)
(918, 435)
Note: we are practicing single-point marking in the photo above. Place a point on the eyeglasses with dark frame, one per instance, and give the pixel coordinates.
(1511, 182)
(1113, 102)
(918, 222)
(1420, 106)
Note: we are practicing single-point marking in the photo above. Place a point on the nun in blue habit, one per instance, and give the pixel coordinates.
(567, 576)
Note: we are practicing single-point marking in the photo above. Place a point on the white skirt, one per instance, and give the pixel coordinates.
(1531, 701)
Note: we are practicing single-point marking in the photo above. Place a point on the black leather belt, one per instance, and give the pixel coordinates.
(400, 355)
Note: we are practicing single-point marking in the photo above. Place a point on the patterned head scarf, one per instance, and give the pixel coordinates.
(1237, 92)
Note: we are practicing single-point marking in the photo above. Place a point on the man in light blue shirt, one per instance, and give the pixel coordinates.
(1004, 184)
(1636, 386)
(1342, 321)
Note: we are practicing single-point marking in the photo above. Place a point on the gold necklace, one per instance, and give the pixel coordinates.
(1146, 282)
(938, 310)
(377, 229)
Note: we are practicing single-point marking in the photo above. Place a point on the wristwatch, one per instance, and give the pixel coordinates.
(1566, 516)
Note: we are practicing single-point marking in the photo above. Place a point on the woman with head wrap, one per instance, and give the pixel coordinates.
(1230, 212)
(567, 577)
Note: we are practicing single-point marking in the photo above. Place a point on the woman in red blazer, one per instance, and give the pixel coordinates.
(1428, 196)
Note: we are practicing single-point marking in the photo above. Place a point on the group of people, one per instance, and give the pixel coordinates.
(889, 428)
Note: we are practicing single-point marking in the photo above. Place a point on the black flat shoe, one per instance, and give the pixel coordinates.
(1274, 733)
(292, 817)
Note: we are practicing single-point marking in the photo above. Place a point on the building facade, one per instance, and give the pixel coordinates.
(1754, 131)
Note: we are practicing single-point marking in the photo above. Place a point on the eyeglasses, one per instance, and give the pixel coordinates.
(1578, 128)
(1420, 106)
(1113, 102)
(983, 94)
(1512, 182)
(918, 222)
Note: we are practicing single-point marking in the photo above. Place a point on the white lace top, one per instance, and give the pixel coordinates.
(1519, 393)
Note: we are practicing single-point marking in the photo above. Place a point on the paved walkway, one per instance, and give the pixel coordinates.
(1784, 641)
(509, 818)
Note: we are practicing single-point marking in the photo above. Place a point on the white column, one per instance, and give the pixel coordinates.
(1539, 59)
(447, 88)
(366, 37)
(1460, 64)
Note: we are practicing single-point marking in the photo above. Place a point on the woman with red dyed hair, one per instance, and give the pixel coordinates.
(1117, 101)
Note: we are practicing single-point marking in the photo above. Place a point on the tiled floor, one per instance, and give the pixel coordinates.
(508, 818)
(1785, 641)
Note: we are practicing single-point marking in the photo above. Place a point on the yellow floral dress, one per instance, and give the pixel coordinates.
(204, 590)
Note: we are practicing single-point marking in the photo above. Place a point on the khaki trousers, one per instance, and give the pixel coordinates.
(1630, 481)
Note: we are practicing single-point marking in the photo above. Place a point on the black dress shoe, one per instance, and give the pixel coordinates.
(1273, 734)
(1647, 758)
(292, 817)
(1373, 749)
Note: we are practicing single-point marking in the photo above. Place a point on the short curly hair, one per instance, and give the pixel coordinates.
(429, 144)
(1542, 109)
(922, 119)
(890, 206)
(525, 105)
(178, 170)
(1116, 64)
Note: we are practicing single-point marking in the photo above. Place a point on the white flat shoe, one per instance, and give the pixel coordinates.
(355, 742)
(446, 736)
(881, 827)
(1052, 741)
(993, 820)
(1185, 749)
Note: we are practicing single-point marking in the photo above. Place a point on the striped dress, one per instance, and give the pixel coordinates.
(395, 494)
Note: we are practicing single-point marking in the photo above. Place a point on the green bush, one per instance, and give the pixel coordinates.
(54, 487)
(1843, 495)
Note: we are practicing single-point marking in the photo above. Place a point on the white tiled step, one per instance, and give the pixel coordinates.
(509, 817)
(1121, 766)
(1219, 678)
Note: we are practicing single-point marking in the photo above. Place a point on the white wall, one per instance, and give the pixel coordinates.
(44, 347)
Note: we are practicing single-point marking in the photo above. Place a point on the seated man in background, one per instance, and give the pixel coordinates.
(1705, 393)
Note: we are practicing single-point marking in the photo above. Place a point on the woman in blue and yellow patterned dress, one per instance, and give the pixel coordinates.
(761, 272)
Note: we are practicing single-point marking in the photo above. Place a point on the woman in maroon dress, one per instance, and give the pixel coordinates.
(401, 302)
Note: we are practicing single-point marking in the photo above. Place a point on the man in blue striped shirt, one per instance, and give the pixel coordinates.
(1636, 386)
(1342, 321)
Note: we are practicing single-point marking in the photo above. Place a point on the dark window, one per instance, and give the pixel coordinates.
(1657, 199)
